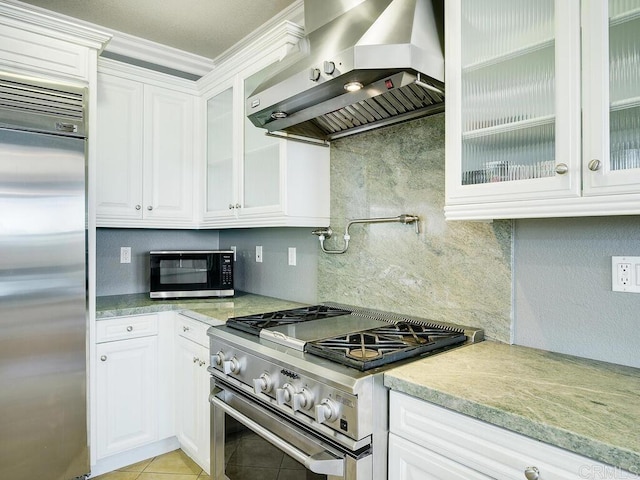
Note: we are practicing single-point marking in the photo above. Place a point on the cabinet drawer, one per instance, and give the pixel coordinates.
(126, 327)
(412, 462)
(485, 448)
(192, 329)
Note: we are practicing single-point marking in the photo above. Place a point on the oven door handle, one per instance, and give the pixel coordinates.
(322, 463)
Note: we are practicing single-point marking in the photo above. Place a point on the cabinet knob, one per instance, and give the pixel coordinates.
(231, 207)
(561, 168)
(103, 358)
(129, 328)
(594, 165)
(531, 473)
(238, 205)
(201, 362)
(138, 207)
(149, 208)
(195, 359)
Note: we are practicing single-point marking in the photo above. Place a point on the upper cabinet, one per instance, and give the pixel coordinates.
(252, 179)
(146, 136)
(534, 129)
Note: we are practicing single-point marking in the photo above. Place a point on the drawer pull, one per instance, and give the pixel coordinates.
(185, 328)
(129, 328)
(195, 359)
(532, 473)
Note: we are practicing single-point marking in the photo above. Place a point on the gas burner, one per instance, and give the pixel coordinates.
(254, 323)
(382, 345)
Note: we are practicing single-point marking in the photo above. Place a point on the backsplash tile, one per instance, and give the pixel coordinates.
(451, 271)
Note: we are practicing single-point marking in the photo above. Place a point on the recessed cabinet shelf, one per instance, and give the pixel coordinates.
(508, 56)
(508, 127)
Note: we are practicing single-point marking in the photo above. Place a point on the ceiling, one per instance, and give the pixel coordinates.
(202, 27)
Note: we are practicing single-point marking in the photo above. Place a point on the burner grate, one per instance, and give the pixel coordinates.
(373, 348)
(254, 323)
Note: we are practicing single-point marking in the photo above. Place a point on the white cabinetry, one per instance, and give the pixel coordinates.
(192, 389)
(430, 442)
(127, 383)
(146, 136)
(543, 105)
(254, 180)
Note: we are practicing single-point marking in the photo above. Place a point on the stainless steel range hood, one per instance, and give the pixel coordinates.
(392, 48)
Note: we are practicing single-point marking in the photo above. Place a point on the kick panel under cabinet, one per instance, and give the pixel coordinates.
(516, 144)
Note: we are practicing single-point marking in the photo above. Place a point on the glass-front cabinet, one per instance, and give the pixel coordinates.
(611, 43)
(543, 107)
(253, 179)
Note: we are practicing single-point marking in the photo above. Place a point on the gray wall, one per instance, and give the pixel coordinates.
(562, 287)
(115, 278)
(452, 271)
(274, 276)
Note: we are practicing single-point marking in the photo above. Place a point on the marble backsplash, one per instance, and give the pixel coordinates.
(451, 271)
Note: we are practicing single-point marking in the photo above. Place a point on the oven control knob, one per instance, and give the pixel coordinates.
(231, 366)
(302, 400)
(262, 384)
(218, 358)
(285, 394)
(326, 410)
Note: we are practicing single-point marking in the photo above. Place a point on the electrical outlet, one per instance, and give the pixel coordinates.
(235, 251)
(125, 254)
(625, 274)
(259, 253)
(292, 256)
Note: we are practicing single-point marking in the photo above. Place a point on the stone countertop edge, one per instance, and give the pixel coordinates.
(208, 310)
(404, 379)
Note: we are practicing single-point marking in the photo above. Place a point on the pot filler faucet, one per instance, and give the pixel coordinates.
(324, 233)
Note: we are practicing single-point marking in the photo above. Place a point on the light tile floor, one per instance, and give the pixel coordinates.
(174, 465)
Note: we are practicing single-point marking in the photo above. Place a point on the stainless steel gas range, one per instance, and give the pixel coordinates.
(299, 394)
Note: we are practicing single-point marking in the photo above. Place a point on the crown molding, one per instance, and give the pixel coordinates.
(39, 20)
(137, 48)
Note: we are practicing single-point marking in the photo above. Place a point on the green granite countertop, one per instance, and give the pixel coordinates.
(207, 310)
(588, 407)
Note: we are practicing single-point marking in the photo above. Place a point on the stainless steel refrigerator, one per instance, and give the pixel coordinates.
(43, 282)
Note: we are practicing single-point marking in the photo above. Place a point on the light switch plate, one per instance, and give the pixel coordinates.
(625, 274)
(259, 253)
(292, 256)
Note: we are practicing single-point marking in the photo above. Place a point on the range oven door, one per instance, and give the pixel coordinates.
(250, 441)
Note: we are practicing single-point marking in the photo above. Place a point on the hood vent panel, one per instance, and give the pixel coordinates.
(402, 78)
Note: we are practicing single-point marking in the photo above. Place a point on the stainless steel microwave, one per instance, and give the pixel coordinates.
(191, 273)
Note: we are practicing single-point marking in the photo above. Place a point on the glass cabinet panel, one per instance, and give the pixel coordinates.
(261, 157)
(220, 179)
(508, 83)
(624, 84)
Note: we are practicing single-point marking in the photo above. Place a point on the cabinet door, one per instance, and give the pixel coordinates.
(611, 96)
(409, 461)
(126, 392)
(513, 101)
(119, 148)
(192, 399)
(261, 166)
(221, 137)
(168, 154)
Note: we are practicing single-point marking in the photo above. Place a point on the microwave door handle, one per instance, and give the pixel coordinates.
(321, 463)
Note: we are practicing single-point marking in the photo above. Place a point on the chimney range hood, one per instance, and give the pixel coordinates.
(369, 63)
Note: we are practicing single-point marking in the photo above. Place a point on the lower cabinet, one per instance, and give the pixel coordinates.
(430, 442)
(192, 381)
(126, 370)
